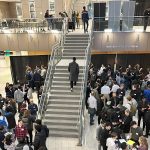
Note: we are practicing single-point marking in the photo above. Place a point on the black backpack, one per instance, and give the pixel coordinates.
(21, 146)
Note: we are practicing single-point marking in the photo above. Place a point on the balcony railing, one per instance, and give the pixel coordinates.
(114, 24)
(122, 24)
(30, 25)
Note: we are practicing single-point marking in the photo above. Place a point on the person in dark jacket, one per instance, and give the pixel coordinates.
(142, 106)
(105, 133)
(10, 119)
(100, 106)
(147, 120)
(85, 19)
(136, 132)
(74, 72)
(126, 121)
(22, 145)
(37, 80)
(44, 129)
(2, 137)
(48, 17)
(120, 93)
(33, 108)
(38, 136)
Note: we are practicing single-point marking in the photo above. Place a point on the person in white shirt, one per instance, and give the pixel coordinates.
(19, 97)
(43, 72)
(105, 90)
(92, 107)
(115, 87)
(100, 71)
(110, 143)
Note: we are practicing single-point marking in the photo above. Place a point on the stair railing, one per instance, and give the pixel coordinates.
(56, 56)
(84, 86)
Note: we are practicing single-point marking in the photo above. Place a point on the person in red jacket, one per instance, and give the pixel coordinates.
(20, 130)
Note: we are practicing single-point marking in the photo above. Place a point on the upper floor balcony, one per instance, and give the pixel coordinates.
(110, 34)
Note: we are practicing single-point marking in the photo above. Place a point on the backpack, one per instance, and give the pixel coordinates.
(3, 122)
(23, 146)
(25, 121)
(46, 130)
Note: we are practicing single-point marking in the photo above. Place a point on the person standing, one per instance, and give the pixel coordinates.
(19, 97)
(33, 108)
(48, 18)
(92, 101)
(78, 20)
(85, 19)
(74, 72)
(136, 131)
(147, 120)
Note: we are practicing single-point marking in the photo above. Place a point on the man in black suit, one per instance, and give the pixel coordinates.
(74, 72)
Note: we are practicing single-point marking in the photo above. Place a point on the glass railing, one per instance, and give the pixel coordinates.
(122, 24)
(14, 25)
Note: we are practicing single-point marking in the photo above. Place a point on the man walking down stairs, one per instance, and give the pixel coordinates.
(74, 72)
(63, 110)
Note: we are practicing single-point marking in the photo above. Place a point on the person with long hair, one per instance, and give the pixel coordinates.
(143, 143)
(28, 120)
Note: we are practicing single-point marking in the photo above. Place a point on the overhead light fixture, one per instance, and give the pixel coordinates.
(108, 30)
(30, 31)
(138, 30)
(6, 31)
(54, 31)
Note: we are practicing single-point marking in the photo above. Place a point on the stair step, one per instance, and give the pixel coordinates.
(64, 134)
(75, 47)
(62, 128)
(62, 111)
(76, 41)
(65, 88)
(67, 92)
(70, 57)
(75, 44)
(74, 51)
(60, 122)
(65, 101)
(58, 96)
(66, 74)
(77, 36)
(61, 117)
(72, 54)
(62, 106)
(65, 83)
(66, 67)
(66, 70)
(64, 79)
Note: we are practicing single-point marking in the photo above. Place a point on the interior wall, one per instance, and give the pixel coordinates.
(12, 10)
(122, 60)
(4, 10)
(19, 63)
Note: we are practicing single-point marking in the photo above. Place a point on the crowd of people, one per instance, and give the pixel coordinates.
(121, 100)
(20, 128)
(73, 21)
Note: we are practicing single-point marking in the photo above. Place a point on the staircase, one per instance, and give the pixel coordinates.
(62, 114)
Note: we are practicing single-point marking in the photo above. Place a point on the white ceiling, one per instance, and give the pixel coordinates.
(10, 0)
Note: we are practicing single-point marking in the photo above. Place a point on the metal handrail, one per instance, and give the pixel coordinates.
(48, 80)
(83, 87)
(54, 59)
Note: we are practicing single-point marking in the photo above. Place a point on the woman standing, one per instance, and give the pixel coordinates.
(28, 120)
(143, 143)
